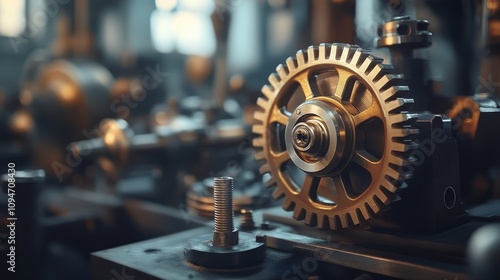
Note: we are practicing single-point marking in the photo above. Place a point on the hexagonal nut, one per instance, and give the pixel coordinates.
(225, 239)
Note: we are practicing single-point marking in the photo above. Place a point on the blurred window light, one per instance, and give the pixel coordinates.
(187, 29)
(244, 51)
(12, 17)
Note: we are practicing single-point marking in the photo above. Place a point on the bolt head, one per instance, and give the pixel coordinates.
(225, 239)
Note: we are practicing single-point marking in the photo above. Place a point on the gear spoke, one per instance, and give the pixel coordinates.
(344, 87)
(362, 158)
(367, 114)
(310, 186)
(280, 157)
(342, 196)
(277, 116)
(309, 89)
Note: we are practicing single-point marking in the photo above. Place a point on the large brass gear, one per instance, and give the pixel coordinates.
(334, 134)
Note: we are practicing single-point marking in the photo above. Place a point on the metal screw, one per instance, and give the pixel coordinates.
(302, 137)
(224, 234)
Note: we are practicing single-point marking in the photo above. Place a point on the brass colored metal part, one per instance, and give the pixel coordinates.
(333, 135)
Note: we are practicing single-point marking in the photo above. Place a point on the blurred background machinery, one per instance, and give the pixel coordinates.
(369, 153)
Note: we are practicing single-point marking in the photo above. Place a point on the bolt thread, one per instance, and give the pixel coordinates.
(223, 204)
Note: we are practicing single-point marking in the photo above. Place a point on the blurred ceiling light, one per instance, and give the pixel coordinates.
(187, 29)
(12, 17)
(166, 5)
(194, 34)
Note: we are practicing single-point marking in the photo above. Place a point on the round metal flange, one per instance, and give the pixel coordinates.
(403, 31)
(247, 252)
(315, 137)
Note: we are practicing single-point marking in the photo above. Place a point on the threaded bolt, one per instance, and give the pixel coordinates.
(224, 234)
(246, 221)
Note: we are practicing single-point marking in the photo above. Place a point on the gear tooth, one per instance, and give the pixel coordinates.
(323, 50)
(345, 53)
(342, 52)
(260, 116)
(403, 132)
(312, 53)
(311, 219)
(383, 199)
(401, 118)
(382, 79)
(382, 70)
(301, 58)
(277, 193)
(262, 103)
(398, 161)
(282, 71)
(268, 91)
(374, 207)
(388, 186)
(404, 185)
(397, 175)
(359, 57)
(354, 218)
(274, 80)
(395, 104)
(336, 51)
(367, 64)
(400, 147)
(398, 103)
(258, 142)
(368, 211)
(331, 223)
(264, 169)
(360, 215)
(270, 182)
(324, 222)
(344, 220)
(291, 63)
(364, 212)
(393, 92)
(258, 129)
(288, 204)
(260, 155)
(299, 214)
